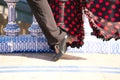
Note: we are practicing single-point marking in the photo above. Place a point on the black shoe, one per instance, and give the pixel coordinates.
(60, 49)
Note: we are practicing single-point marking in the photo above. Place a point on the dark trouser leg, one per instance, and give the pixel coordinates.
(45, 19)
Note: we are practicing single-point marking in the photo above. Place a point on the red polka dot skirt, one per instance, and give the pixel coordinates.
(103, 15)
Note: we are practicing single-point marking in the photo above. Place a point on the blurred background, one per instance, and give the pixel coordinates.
(23, 19)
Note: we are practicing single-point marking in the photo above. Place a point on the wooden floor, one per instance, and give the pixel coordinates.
(72, 66)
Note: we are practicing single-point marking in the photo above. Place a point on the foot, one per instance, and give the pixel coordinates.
(61, 48)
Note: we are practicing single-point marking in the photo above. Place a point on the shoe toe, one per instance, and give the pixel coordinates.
(57, 57)
(60, 49)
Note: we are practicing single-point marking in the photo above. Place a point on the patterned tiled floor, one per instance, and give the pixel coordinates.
(77, 66)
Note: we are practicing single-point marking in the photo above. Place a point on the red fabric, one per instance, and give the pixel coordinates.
(103, 15)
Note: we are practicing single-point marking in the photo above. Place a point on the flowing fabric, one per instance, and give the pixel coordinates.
(103, 16)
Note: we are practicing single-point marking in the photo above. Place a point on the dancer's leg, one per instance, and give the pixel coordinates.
(45, 19)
